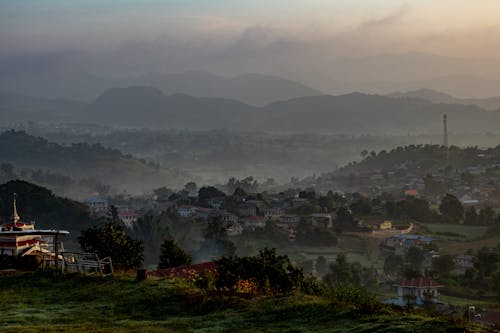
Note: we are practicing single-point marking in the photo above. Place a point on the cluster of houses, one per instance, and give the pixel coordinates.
(253, 214)
(100, 207)
(408, 179)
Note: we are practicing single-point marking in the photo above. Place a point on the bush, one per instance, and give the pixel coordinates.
(172, 255)
(271, 273)
(111, 240)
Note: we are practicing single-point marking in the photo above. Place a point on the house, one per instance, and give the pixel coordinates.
(97, 205)
(228, 218)
(254, 222)
(128, 217)
(411, 193)
(216, 202)
(289, 219)
(417, 291)
(273, 214)
(257, 203)
(247, 210)
(322, 220)
(379, 225)
(204, 213)
(235, 229)
(186, 211)
(401, 242)
(463, 262)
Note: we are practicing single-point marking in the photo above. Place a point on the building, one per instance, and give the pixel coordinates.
(379, 225)
(216, 202)
(273, 214)
(463, 262)
(254, 222)
(228, 218)
(97, 205)
(418, 291)
(247, 210)
(128, 217)
(186, 211)
(14, 245)
(235, 229)
(289, 219)
(407, 240)
(322, 220)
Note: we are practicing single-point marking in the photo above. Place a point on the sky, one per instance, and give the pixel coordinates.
(292, 38)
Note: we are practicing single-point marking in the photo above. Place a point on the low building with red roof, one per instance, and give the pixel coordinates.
(418, 290)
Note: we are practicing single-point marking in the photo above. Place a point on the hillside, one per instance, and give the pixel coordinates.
(491, 103)
(82, 160)
(120, 304)
(35, 203)
(354, 113)
(254, 89)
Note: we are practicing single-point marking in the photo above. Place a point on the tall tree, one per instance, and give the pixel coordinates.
(452, 209)
(172, 255)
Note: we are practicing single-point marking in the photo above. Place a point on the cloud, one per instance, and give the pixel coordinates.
(386, 21)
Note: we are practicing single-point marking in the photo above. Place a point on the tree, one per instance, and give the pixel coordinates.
(111, 240)
(113, 214)
(342, 273)
(486, 216)
(470, 216)
(172, 255)
(452, 209)
(321, 265)
(443, 265)
(393, 265)
(216, 243)
(415, 257)
(191, 187)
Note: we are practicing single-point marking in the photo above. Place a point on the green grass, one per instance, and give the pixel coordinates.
(51, 303)
(453, 232)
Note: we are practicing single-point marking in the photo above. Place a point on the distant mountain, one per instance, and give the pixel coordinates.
(492, 103)
(254, 89)
(147, 106)
(84, 161)
(354, 113)
(362, 113)
(18, 107)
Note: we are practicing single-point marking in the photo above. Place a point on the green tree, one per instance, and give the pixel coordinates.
(486, 216)
(393, 265)
(111, 240)
(415, 257)
(172, 255)
(443, 265)
(452, 209)
(470, 216)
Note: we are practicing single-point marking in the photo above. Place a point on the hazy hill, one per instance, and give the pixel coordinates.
(82, 160)
(36, 203)
(354, 113)
(18, 107)
(361, 113)
(491, 103)
(254, 89)
(147, 106)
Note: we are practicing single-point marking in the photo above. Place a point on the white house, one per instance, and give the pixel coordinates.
(273, 214)
(417, 291)
(186, 211)
(97, 205)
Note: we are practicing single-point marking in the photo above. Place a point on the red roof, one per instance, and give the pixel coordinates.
(419, 283)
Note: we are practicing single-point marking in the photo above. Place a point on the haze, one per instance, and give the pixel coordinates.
(334, 46)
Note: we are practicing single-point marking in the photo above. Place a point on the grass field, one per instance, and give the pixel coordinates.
(453, 232)
(51, 303)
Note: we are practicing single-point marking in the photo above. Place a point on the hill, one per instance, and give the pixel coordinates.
(84, 161)
(491, 103)
(354, 113)
(148, 106)
(254, 89)
(22, 108)
(35, 203)
(120, 304)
